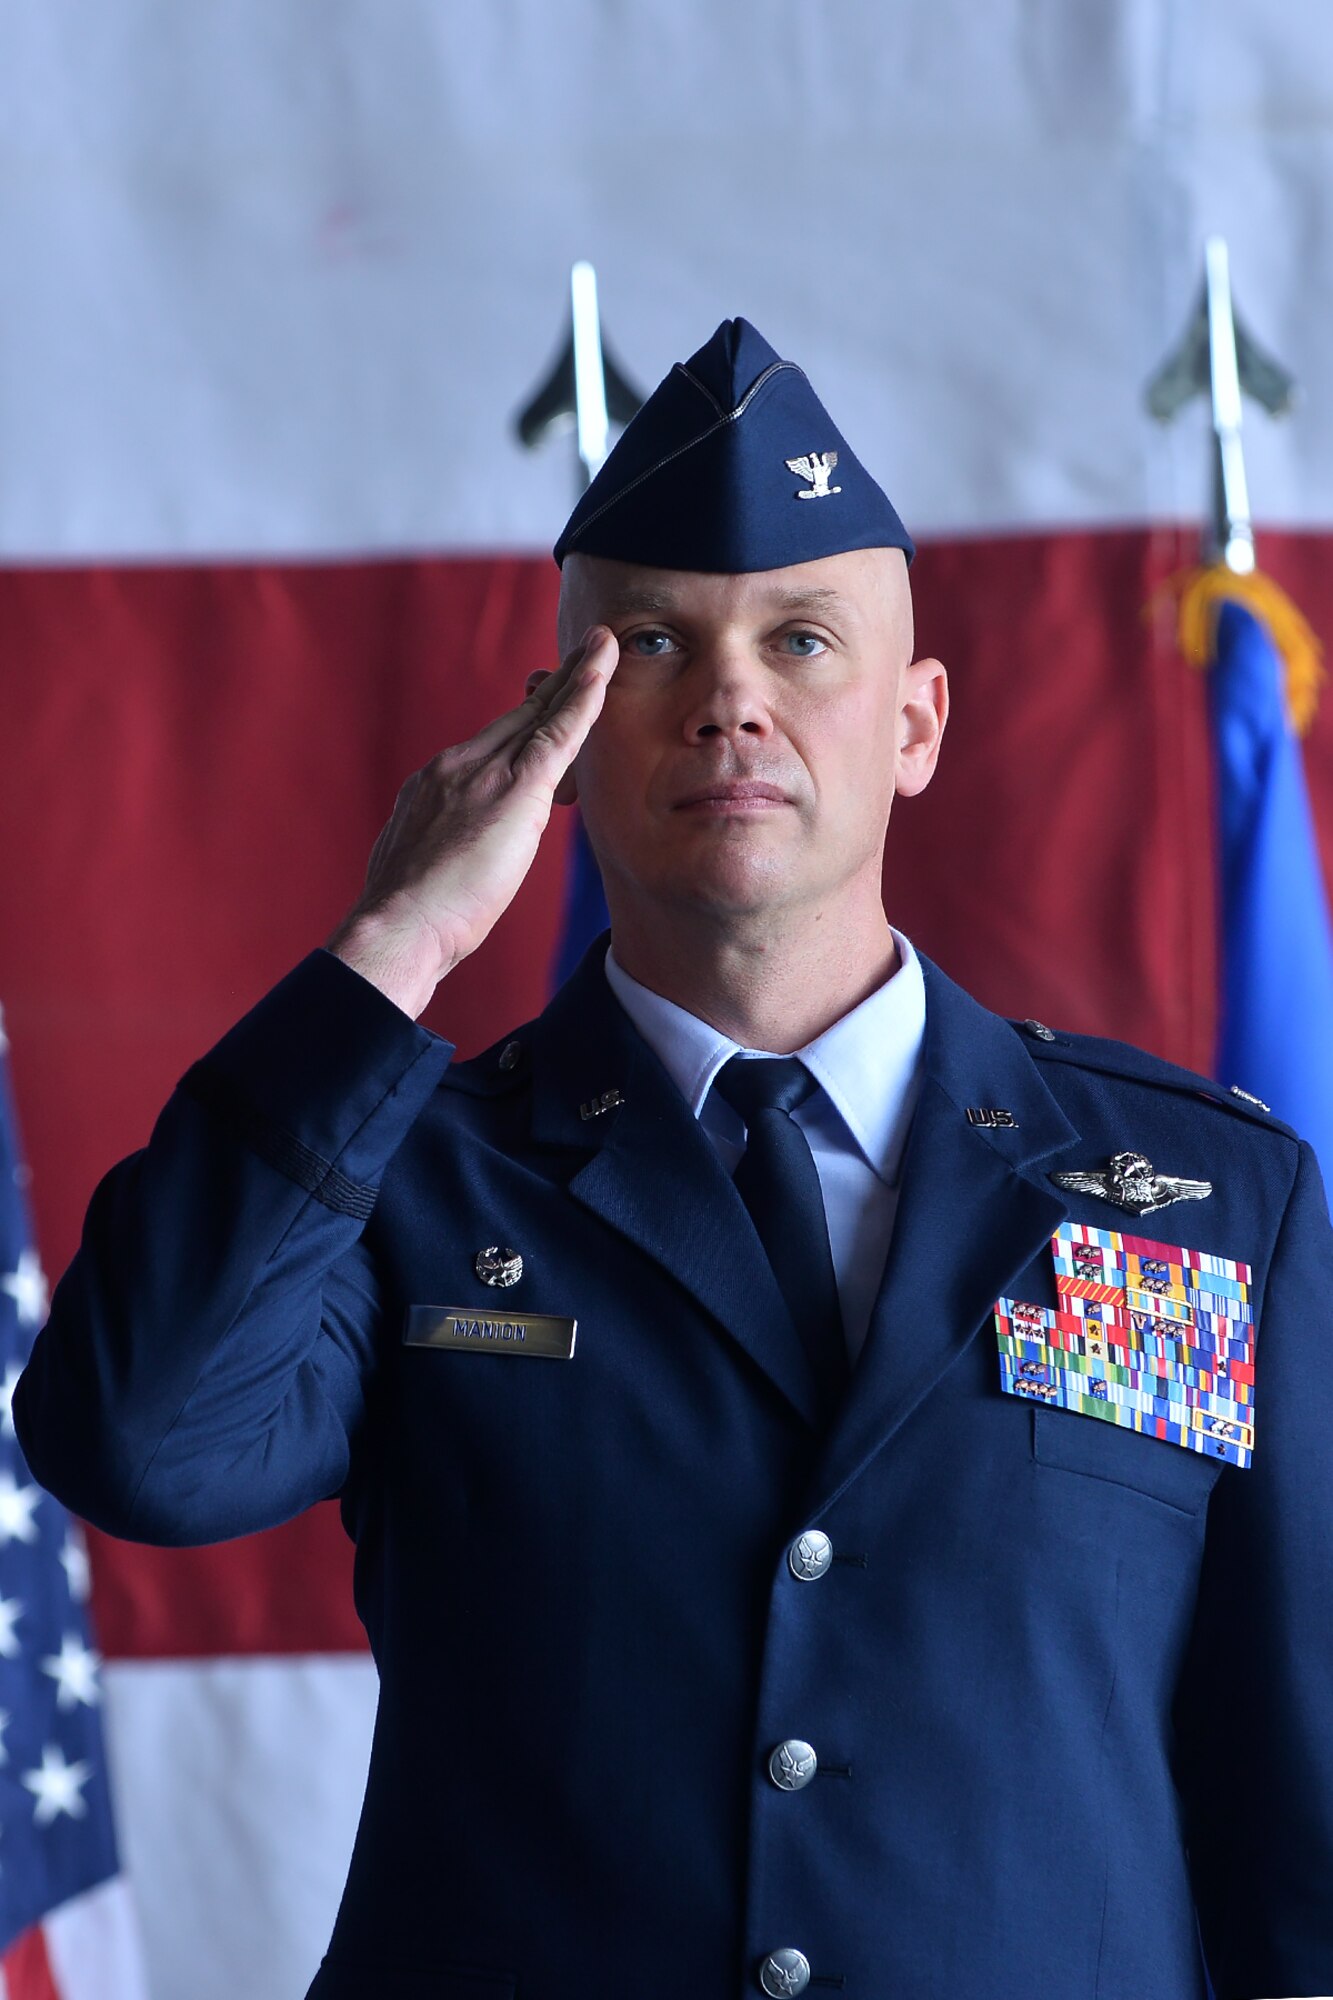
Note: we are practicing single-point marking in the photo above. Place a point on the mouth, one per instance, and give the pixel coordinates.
(739, 795)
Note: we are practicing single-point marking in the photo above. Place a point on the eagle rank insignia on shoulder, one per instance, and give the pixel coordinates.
(1132, 1182)
(1150, 1336)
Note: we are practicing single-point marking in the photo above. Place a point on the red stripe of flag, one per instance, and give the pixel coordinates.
(27, 1968)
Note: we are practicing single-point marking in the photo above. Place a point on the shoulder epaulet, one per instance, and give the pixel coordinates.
(1123, 1059)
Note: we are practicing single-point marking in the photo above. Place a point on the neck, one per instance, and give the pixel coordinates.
(768, 981)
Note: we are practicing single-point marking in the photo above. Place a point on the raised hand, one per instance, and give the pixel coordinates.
(464, 831)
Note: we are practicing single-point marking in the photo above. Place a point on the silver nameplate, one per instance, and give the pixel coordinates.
(490, 1333)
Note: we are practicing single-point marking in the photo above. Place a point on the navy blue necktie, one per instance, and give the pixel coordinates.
(778, 1182)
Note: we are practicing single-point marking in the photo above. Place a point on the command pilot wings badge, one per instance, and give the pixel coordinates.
(816, 467)
(1132, 1182)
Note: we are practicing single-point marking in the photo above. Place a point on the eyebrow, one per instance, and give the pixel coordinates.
(663, 603)
(810, 600)
(632, 599)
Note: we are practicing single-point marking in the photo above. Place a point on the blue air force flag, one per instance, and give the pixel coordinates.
(1276, 1020)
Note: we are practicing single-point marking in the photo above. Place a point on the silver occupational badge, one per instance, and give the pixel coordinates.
(1132, 1182)
(816, 467)
(498, 1266)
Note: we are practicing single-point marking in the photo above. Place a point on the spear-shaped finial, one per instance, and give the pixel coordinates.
(585, 391)
(1219, 357)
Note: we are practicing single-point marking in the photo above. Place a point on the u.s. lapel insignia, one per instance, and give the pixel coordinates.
(1132, 1182)
(816, 467)
(1151, 1336)
(595, 1106)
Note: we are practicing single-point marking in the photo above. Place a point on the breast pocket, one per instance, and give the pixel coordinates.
(1067, 1441)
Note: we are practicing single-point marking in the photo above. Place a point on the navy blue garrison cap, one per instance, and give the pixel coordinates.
(732, 464)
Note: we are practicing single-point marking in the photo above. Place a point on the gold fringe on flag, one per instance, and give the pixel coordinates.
(1199, 594)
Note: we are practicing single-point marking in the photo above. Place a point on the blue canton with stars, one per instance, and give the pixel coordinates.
(56, 1837)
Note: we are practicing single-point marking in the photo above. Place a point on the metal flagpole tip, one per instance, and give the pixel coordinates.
(585, 392)
(1217, 357)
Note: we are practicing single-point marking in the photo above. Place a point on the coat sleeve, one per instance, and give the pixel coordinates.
(1254, 1711)
(206, 1363)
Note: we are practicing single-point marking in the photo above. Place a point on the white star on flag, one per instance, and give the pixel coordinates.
(74, 1671)
(57, 1787)
(26, 1285)
(74, 1562)
(11, 1610)
(16, 1505)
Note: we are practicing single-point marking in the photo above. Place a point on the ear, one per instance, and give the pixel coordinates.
(923, 711)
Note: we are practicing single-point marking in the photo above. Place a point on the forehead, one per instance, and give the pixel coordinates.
(864, 586)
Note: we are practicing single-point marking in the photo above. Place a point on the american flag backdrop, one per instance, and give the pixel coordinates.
(277, 280)
(66, 1928)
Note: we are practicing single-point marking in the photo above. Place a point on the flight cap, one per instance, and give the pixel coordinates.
(733, 464)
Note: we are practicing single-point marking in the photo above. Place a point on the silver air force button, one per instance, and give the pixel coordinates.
(810, 1555)
(1132, 1182)
(511, 1055)
(498, 1266)
(792, 1765)
(785, 1972)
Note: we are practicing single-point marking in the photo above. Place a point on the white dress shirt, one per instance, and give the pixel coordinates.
(868, 1067)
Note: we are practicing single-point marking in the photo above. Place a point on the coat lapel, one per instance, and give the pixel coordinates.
(975, 1207)
(650, 1173)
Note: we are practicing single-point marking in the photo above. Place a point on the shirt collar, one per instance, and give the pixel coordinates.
(868, 1063)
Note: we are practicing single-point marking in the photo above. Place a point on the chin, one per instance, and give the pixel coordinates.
(732, 886)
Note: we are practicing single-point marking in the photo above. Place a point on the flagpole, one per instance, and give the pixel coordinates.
(592, 424)
(1264, 667)
(584, 391)
(1233, 534)
(1216, 356)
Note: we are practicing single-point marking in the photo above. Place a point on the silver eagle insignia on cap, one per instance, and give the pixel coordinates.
(816, 467)
(1132, 1182)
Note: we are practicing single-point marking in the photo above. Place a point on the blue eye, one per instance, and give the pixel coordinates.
(806, 645)
(649, 645)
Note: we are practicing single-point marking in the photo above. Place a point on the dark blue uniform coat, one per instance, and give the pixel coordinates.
(1067, 1683)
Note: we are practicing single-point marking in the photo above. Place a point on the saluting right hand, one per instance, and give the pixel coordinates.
(465, 830)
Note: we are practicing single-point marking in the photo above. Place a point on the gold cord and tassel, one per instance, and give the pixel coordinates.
(1199, 594)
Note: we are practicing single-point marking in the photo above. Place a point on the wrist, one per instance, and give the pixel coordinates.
(403, 959)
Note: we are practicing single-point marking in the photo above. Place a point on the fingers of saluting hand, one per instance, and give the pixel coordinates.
(464, 831)
(566, 688)
(560, 729)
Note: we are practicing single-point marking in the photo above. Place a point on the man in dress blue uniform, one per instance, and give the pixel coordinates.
(812, 1531)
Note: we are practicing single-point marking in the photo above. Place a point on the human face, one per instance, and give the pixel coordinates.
(754, 731)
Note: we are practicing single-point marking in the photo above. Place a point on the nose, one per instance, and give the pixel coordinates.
(727, 697)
